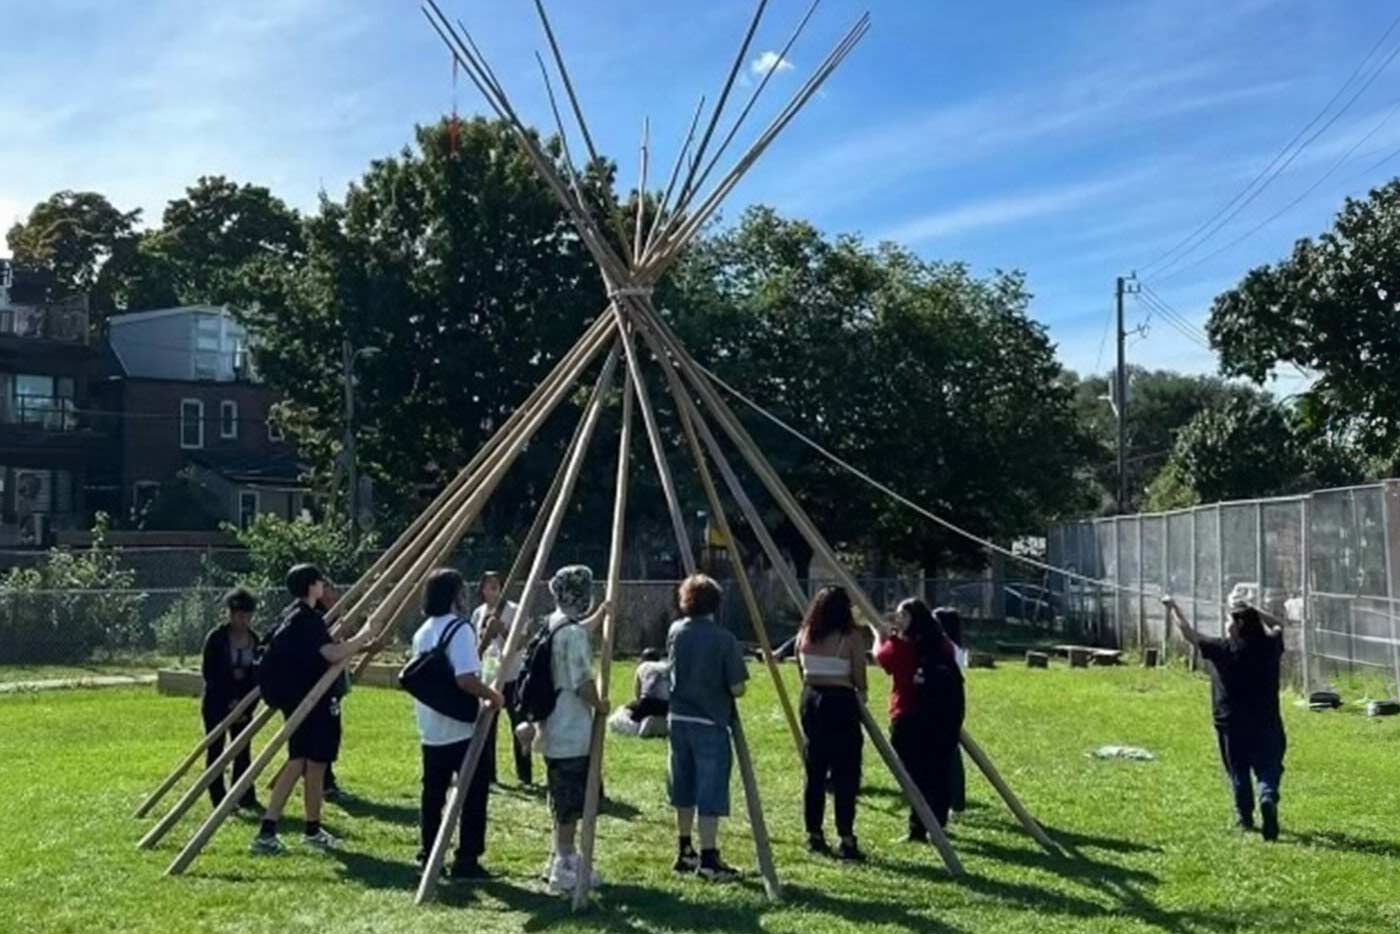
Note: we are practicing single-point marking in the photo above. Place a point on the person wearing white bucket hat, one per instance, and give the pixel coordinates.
(1244, 676)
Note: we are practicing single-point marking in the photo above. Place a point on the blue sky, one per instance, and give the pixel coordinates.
(1073, 140)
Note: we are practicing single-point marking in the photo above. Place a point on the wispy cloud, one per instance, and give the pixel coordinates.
(1006, 210)
(769, 61)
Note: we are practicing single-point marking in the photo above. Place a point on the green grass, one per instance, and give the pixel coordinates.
(135, 665)
(1153, 852)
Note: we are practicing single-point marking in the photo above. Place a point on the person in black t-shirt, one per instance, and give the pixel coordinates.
(316, 742)
(230, 654)
(1244, 688)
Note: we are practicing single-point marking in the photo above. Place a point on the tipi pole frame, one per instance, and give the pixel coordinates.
(403, 590)
(396, 566)
(373, 579)
(427, 883)
(589, 826)
(758, 825)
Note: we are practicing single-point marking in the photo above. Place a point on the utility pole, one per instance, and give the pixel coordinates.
(1120, 391)
(348, 356)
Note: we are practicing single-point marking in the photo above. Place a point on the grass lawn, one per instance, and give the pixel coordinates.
(135, 665)
(1154, 852)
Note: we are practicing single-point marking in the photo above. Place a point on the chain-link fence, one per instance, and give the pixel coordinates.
(1326, 563)
(54, 627)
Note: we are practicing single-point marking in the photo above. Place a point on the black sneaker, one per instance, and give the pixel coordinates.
(1268, 810)
(469, 869)
(849, 852)
(338, 795)
(687, 861)
(817, 844)
(251, 804)
(716, 870)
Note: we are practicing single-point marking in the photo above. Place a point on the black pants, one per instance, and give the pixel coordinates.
(958, 781)
(930, 760)
(831, 722)
(524, 763)
(1251, 752)
(216, 749)
(440, 767)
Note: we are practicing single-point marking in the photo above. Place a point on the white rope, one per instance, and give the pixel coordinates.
(934, 517)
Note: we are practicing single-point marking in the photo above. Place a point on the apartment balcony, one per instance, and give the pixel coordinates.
(63, 323)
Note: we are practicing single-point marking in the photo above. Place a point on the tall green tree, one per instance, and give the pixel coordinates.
(81, 242)
(1331, 306)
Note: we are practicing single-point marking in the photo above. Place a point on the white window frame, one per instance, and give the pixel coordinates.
(198, 445)
(257, 506)
(228, 427)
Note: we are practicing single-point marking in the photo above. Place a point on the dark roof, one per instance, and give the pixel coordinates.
(252, 467)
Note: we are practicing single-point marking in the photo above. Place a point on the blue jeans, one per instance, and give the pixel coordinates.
(1253, 752)
(698, 776)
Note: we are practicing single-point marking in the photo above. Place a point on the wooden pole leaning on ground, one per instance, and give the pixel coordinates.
(499, 463)
(398, 563)
(763, 844)
(756, 460)
(592, 791)
(374, 578)
(729, 422)
(452, 812)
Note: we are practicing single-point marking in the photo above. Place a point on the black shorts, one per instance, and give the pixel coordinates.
(568, 784)
(318, 737)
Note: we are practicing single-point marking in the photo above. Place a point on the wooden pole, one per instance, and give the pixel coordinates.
(402, 591)
(988, 769)
(936, 834)
(658, 451)
(589, 827)
(741, 577)
(763, 845)
(427, 883)
(397, 565)
(373, 580)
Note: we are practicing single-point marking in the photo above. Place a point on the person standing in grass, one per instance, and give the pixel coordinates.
(706, 672)
(831, 654)
(1244, 687)
(489, 592)
(304, 651)
(444, 739)
(951, 621)
(926, 706)
(230, 656)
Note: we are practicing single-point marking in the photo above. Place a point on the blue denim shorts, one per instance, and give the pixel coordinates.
(699, 768)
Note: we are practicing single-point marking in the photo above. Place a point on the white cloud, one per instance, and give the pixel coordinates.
(769, 61)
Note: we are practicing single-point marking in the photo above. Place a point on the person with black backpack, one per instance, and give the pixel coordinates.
(927, 706)
(445, 739)
(298, 655)
(558, 699)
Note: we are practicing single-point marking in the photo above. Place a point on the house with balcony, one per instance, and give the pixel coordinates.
(192, 407)
(57, 452)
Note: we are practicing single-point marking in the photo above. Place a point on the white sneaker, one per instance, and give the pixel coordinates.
(547, 869)
(321, 840)
(563, 875)
(267, 846)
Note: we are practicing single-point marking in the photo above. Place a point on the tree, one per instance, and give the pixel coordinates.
(1333, 306)
(456, 261)
(80, 241)
(926, 377)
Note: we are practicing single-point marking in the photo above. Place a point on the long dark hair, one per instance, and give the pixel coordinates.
(1251, 630)
(924, 629)
(828, 613)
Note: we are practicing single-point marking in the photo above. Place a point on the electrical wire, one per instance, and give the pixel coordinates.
(1209, 228)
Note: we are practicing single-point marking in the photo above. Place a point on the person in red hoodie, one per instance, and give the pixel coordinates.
(926, 705)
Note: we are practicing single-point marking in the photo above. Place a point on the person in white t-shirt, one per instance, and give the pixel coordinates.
(445, 739)
(489, 593)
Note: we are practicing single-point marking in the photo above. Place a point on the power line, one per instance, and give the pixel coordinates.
(1290, 205)
(1180, 326)
(1266, 176)
(1174, 313)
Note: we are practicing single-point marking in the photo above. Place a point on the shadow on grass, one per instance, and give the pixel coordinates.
(628, 908)
(1343, 843)
(361, 808)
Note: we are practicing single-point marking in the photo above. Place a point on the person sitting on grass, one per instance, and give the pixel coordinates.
(645, 714)
(926, 706)
(1244, 687)
(707, 672)
(230, 656)
(445, 739)
(565, 737)
(831, 653)
(306, 652)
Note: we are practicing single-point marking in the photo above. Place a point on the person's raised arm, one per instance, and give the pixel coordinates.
(472, 684)
(336, 652)
(858, 665)
(594, 620)
(1187, 631)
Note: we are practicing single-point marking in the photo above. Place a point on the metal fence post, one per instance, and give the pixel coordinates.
(1220, 567)
(1306, 567)
(1390, 586)
(1142, 604)
(1166, 577)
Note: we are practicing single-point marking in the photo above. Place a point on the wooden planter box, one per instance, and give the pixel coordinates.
(186, 682)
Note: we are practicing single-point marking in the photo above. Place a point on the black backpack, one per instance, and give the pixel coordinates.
(535, 693)
(278, 678)
(940, 700)
(430, 678)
